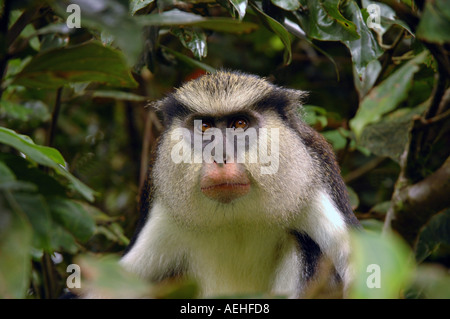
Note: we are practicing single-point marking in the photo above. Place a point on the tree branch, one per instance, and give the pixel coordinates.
(414, 205)
(416, 197)
(438, 92)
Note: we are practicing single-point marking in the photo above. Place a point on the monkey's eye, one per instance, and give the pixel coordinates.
(205, 125)
(239, 122)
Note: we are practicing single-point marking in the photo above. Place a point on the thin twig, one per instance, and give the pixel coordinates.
(423, 137)
(360, 171)
(20, 24)
(438, 92)
(343, 155)
(148, 143)
(4, 22)
(445, 103)
(55, 114)
(389, 53)
(49, 280)
(47, 264)
(145, 151)
(434, 120)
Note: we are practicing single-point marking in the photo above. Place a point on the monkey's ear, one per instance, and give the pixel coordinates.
(156, 105)
(297, 95)
(296, 100)
(284, 101)
(169, 108)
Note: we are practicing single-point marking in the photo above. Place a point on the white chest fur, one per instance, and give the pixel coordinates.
(244, 261)
(229, 261)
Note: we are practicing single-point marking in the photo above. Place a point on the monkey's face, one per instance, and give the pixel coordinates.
(230, 164)
(243, 187)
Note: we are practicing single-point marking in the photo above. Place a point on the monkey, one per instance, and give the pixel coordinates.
(225, 223)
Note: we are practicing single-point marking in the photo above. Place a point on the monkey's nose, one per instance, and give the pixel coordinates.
(220, 164)
(224, 183)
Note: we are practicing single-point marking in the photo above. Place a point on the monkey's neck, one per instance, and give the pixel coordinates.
(233, 261)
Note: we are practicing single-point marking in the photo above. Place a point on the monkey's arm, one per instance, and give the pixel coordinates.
(324, 230)
(328, 218)
(156, 253)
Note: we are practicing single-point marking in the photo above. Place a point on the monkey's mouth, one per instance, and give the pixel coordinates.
(226, 192)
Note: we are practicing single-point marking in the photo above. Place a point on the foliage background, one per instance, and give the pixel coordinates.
(75, 135)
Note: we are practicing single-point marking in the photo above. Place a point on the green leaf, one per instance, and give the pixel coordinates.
(9, 182)
(387, 17)
(353, 196)
(240, 6)
(98, 216)
(15, 247)
(28, 111)
(136, 5)
(52, 41)
(336, 139)
(105, 277)
(112, 230)
(63, 240)
(117, 95)
(189, 61)
(118, 231)
(381, 208)
(43, 155)
(372, 225)
(289, 5)
(36, 209)
(14, 111)
(278, 29)
(193, 40)
(60, 28)
(381, 265)
(435, 22)
(176, 17)
(18, 186)
(435, 232)
(315, 114)
(112, 17)
(82, 63)
(367, 78)
(378, 139)
(6, 175)
(114, 233)
(32, 178)
(386, 96)
(365, 49)
(73, 217)
(432, 282)
(322, 20)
